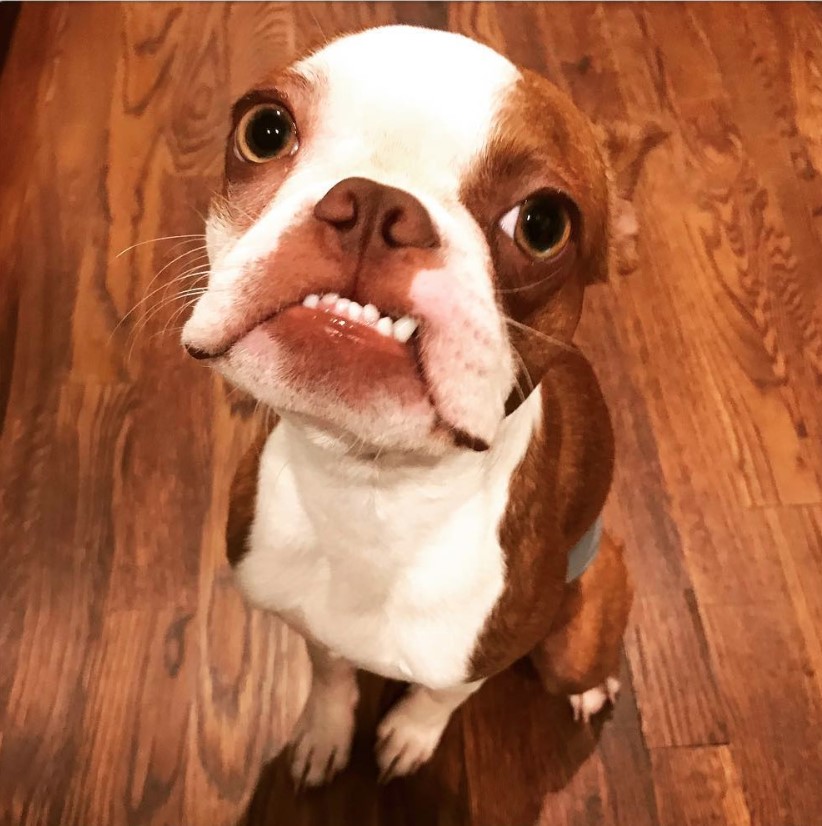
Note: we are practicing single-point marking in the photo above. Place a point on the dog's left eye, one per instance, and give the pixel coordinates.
(265, 132)
(540, 225)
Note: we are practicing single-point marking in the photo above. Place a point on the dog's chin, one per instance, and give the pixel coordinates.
(345, 384)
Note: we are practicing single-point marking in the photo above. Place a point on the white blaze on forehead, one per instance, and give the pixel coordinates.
(407, 106)
(404, 106)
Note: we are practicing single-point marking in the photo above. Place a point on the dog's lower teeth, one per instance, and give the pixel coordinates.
(329, 298)
(385, 326)
(370, 314)
(311, 301)
(354, 311)
(404, 328)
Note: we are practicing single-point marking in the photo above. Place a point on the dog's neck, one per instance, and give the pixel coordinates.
(373, 497)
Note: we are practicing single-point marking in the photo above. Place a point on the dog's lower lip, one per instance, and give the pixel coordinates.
(321, 353)
(339, 329)
(197, 353)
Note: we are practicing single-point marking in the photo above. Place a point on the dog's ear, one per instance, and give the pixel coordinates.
(624, 148)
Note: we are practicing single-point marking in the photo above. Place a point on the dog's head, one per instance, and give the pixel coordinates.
(407, 226)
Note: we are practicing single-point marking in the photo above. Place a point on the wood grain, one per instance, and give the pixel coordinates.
(698, 787)
(137, 688)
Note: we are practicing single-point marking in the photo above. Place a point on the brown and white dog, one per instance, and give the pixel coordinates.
(397, 269)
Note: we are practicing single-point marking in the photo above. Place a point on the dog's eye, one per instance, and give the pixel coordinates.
(265, 132)
(540, 225)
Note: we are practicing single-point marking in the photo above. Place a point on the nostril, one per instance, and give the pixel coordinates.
(197, 353)
(338, 208)
(366, 213)
(409, 227)
(389, 228)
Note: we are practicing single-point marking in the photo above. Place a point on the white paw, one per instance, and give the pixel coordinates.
(321, 743)
(406, 739)
(591, 702)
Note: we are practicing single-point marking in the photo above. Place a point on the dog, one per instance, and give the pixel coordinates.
(397, 269)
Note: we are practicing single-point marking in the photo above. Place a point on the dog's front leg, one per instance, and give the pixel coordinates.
(322, 737)
(409, 733)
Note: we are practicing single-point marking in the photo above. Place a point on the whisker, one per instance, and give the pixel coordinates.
(143, 323)
(525, 287)
(318, 25)
(522, 395)
(158, 240)
(142, 301)
(201, 256)
(563, 345)
(166, 327)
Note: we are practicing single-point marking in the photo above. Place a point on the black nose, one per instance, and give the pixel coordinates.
(370, 217)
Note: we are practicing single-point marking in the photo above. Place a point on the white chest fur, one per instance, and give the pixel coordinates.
(397, 568)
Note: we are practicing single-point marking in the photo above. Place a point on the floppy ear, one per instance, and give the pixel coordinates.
(624, 148)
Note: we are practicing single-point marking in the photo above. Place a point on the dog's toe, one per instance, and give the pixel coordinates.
(405, 742)
(591, 702)
(321, 743)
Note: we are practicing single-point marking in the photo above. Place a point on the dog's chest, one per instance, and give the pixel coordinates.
(398, 577)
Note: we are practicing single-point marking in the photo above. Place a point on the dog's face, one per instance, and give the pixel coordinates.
(398, 208)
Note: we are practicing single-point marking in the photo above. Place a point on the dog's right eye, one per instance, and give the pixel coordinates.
(265, 132)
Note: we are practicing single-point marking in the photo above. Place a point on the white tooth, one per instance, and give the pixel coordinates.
(354, 311)
(329, 298)
(341, 307)
(385, 326)
(311, 300)
(404, 328)
(370, 314)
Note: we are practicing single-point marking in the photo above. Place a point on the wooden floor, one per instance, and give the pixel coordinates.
(135, 687)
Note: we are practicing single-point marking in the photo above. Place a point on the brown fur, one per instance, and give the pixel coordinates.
(582, 648)
(242, 499)
(555, 496)
(544, 142)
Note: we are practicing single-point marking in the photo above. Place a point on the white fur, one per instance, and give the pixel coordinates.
(592, 701)
(395, 567)
(410, 732)
(323, 734)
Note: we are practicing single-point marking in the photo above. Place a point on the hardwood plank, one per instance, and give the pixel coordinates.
(797, 534)
(529, 762)
(774, 709)
(688, 369)
(673, 674)
(735, 202)
(138, 683)
(698, 787)
(764, 48)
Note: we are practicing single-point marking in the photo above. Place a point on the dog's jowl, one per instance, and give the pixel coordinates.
(397, 268)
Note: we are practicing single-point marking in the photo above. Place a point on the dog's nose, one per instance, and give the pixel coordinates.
(368, 215)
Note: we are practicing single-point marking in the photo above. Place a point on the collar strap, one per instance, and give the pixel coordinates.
(584, 552)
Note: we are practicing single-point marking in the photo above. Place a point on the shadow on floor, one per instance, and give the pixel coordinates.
(503, 752)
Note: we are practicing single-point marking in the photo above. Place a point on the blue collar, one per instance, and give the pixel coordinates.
(584, 552)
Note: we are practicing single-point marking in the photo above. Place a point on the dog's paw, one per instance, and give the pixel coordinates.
(406, 739)
(591, 702)
(321, 743)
